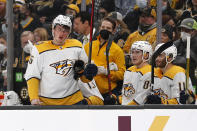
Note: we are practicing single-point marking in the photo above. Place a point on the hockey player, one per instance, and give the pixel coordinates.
(137, 78)
(173, 81)
(52, 67)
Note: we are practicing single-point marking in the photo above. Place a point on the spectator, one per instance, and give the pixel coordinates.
(3, 63)
(40, 34)
(23, 55)
(116, 60)
(2, 16)
(26, 20)
(167, 34)
(188, 28)
(121, 29)
(82, 23)
(71, 10)
(146, 29)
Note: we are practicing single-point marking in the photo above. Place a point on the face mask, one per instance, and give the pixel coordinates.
(144, 27)
(141, 3)
(164, 8)
(27, 48)
(105, 34)
(184, 36)
(4, 28)
(2, 48)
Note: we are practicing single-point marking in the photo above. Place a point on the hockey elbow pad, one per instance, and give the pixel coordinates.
(78, 69)
(90, 71)
(153, 99)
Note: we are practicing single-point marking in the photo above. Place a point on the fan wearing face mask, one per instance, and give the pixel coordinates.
(116, 59)
(188, 27)
(27, 40)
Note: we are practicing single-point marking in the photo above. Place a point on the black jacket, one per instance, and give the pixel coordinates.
(181, 57)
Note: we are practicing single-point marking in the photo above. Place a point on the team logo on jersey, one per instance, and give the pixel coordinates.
(63, 67)
(161, 93)
(128, 89)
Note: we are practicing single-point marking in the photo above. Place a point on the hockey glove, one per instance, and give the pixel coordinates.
(153, 99)
(78, 69)
(187, 98)
(110, 100)
(90, 71)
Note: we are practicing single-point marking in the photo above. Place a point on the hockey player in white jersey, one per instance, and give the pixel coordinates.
(50, 72)
(172, 81)
(137, 78)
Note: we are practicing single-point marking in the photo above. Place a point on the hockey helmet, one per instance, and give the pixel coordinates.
(62, 20)
(144, 46)
(169, 52)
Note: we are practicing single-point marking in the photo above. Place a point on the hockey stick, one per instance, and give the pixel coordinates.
(157, 53)
(107, 58)
(187, 62)
(91, 32)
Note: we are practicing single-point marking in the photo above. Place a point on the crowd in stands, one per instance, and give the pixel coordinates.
(128, 20)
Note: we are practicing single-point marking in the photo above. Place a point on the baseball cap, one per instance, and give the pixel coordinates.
(168, 29)
(189, 23)
(115, 15)
(74, 7)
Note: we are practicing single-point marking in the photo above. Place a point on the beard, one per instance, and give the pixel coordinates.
(161, 64)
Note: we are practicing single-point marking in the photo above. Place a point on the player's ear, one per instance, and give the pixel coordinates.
(146, 55)
(169, 57)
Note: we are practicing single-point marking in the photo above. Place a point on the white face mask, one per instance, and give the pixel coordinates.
(27, 48)
(184, 36)
(2, 48)
(141, 3)
(4, 28)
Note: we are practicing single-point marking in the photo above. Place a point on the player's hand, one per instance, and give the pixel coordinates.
(78, 69)
(187, 97)
(102, 70)
(110, 100)
(36, 102)
(153, 99)
(90, 71)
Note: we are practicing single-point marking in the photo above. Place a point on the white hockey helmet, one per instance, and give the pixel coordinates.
(62, 20)
(170, 51)
(144, 46)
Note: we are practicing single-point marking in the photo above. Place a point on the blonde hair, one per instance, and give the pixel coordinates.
(42, 33)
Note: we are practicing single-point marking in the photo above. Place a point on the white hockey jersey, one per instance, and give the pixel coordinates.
(172, 82)
(52, 65)
(136, 84)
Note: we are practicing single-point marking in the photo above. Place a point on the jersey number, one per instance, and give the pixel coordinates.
(146, 84)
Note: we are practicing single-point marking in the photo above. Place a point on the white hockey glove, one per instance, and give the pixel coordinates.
(113, 66)
(36, 102)
(102, 70)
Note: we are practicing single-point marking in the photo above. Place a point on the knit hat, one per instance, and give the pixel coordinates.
(168, 29)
